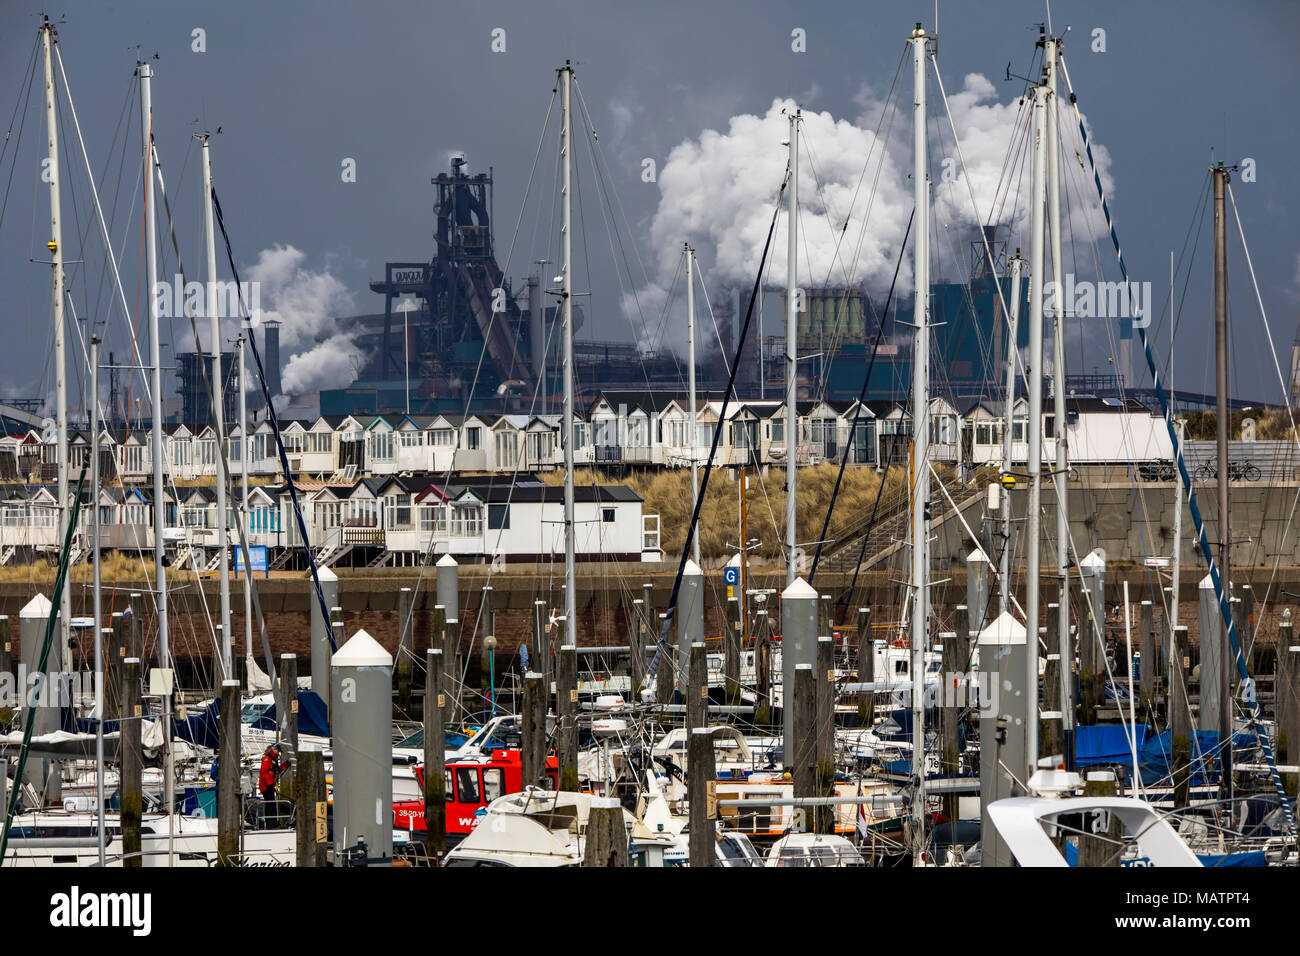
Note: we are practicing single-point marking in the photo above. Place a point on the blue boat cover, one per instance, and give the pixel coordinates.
(1156, 753)
(1105, 743)
(313, 715)
(1253, 858)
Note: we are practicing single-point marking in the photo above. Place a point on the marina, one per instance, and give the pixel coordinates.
(893, 537)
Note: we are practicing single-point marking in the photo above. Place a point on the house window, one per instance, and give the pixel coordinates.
(472, 438)
(293, 443)
(507, 448)
(412, 439)
(541, 446)
(466, 520)
(706, 435)
(778, 430)
(381, 446)
(320, 443)
(433, 519)
(1049, 426)
(607, 515)
(499, 517)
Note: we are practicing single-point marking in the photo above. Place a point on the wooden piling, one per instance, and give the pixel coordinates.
(1289, 723)
(135, 631)
(405, 652)
(451, 667)
(131, 793)
(636, 625)
(566, 724)
(435, 744)
(606, 843)
(696, 690)
(949, 730)
(114, 652)
(731, 652)
(801, 752)
(965, 641)
(700, 774)
(1180, 719)
(866, 668)
(229, 771)
(289, 723)
(544, 663)
(1147, 648)
(1091, 675)
(1104, 849)
(664, 677)
(312, 810)
(824, 732)
(534, 730)
(762, 671)
(6, 646)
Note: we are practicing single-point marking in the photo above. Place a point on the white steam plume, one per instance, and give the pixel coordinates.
(717, 192)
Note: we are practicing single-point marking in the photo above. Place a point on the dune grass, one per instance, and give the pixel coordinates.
(668, 494)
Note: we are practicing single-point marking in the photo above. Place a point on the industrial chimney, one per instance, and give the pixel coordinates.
(271, 349)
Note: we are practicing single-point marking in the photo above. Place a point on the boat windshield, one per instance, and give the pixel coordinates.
(253, 711)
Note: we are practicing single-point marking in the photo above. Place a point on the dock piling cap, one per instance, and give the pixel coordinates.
(325, 574)
(1094, 559)
(361, 650)
(976, 556)
(691, 570)
(799, 590)
(447, 561)
(1207, 583)
(38, 606)
(1004, 629)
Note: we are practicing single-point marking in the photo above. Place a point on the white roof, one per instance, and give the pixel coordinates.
(799, 589)
(361, 650)
(1096, 558)
(38, 606)
(1004, 629)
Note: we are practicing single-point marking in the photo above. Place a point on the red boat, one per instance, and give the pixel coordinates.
(471, 786)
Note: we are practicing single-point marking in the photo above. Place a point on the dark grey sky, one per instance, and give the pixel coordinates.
(298, 86)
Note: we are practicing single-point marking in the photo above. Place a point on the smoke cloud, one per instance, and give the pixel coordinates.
(306, 302)
(718, 191)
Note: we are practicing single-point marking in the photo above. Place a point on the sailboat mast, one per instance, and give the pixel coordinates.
(1176, 569)
(920, 438)
(218, 410)
(96, 596)
(1051, 49)
(55, 246)
(690, 347)
(243, 492)
(791, 357)
(155, 387)
(566, 293)
(1034, 372)
(1008, 430)
(1224, 689)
